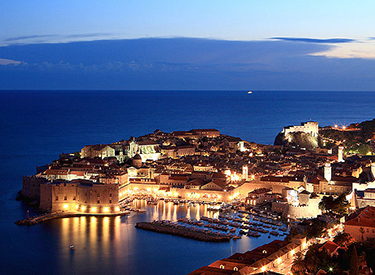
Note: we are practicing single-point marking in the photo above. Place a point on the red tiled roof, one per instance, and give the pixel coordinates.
(329, 246)
(55, 172)
(206, 270)
(365, 218)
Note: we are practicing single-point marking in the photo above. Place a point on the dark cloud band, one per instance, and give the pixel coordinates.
(315, 40)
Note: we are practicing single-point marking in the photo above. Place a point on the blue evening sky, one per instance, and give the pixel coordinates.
(266, 45)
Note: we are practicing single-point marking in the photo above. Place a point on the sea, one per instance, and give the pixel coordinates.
(36, 126)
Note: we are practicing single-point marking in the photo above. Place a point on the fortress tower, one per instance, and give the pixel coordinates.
(328, 172)
(373, 170)
(340, 157)
(245, 172)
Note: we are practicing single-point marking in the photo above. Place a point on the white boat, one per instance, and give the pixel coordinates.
(249, 92)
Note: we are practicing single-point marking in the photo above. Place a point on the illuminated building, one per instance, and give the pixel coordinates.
(328, 172)
(147, 149)
(87, 195)
(267, 257)
(340, 155)
(309, 127)
(362, 226)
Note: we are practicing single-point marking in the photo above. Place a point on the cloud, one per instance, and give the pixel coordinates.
(19, 38)
(55, 39)
(182, 63)
(5, 62)
(86, 35)
(316, 40)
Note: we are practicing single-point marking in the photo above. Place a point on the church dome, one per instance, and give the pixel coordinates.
(137, 161)
(137, 156)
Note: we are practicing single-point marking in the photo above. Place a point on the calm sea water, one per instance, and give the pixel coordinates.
(36, 126)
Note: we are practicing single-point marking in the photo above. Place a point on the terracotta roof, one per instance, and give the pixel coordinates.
(365, 218)
(259, 253)
(329, 247)
(99, 147)
(55, 172)
(277, 179)
(206, 270)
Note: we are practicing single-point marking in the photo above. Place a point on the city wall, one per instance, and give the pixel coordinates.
(31, 186)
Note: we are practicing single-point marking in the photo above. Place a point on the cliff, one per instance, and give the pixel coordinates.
(298, 139)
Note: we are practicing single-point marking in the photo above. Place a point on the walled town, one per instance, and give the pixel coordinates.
(300, 184)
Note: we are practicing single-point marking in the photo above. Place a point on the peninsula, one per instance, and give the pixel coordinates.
(201, 165)
(314, 186)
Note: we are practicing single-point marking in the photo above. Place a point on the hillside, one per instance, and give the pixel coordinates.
(357, 138)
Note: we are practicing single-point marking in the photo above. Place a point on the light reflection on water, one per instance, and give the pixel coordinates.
(104, 244)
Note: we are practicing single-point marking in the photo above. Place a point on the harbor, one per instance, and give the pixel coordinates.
(226, 223)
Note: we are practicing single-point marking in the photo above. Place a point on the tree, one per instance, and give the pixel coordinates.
(343, 238)
(339, 205)
(362, 231)
(293, 232)
(354, 267)
(315, 229)
(299, 266)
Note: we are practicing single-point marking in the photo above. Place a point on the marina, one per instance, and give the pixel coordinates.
(231, 225)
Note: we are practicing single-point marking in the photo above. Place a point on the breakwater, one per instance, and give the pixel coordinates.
(172, 228)
(59, 215)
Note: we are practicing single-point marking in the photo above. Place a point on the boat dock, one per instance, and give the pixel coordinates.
(173, 228)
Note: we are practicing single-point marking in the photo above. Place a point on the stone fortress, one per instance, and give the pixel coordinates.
(310, 127)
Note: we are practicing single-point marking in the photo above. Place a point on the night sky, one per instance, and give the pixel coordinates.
(258, 45)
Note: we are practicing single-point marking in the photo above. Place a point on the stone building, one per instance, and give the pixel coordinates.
(258, 261)
(310, 127)
(99, 150)
(79, 195)
(362, 226)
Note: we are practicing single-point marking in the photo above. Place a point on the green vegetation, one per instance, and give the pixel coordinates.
(317, 259)
(356, 138)
(314, 260)
(355, 141)
(315, 229)
(357, 148)
(368, 128)
(298, 139)
(347, 260)
(339, 205)
(354, 267)
(343, 239)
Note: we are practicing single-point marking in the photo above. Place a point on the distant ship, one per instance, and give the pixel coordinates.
(249, 92)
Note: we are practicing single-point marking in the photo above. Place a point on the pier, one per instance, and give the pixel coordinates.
(171, 228)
